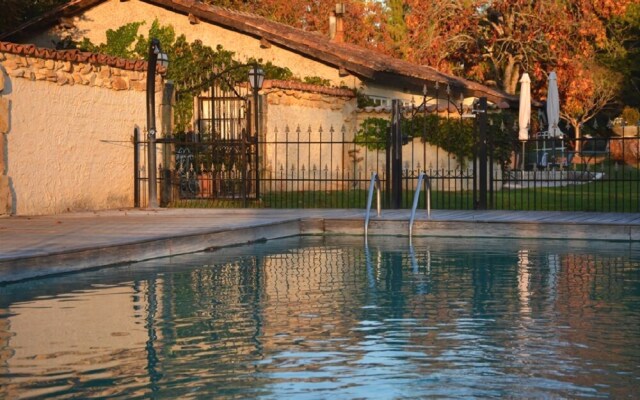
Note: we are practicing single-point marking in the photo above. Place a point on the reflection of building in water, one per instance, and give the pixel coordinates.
(214, 313)
(73, 335)
(311, 293)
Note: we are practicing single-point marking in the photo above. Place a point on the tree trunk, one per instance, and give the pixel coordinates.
(576, 129)
(511, 75)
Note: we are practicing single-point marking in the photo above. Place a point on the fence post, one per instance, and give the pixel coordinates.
(167, 143)
(396, 155)
(482, 133)
(136, 167)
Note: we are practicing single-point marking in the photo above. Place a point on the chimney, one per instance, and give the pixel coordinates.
(336, 24)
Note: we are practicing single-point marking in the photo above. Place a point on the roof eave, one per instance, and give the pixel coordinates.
(49, 18)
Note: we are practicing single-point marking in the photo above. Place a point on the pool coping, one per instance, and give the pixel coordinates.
(34, 247)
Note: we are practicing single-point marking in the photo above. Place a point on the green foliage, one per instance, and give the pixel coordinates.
(397, 26)
(373, 133)
(503, 138)
(272, 71)
(189, 62)
(192, 63)
(165, 34)
(454, 135)
(364, 100)
(316, 80)
(120, 42)
(192, 66)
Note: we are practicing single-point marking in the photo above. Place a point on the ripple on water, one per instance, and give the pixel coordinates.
(320, 318)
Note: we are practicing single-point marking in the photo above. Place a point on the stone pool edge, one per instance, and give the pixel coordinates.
(39, 266)
(24, 268)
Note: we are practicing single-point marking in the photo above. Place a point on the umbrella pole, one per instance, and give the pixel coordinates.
(523, 156)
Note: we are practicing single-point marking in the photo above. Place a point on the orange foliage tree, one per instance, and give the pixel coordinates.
(495, 41)
(587, 89)
(363, 20)
(439, 33)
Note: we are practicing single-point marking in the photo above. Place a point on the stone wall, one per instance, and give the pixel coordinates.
(63, 72)
(67, 121)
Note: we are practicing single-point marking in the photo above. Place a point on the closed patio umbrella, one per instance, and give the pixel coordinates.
(553, 106)
(524, 111)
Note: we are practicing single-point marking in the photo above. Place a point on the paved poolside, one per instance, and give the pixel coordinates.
(42, 245)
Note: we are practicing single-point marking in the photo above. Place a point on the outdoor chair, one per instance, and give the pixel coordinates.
(566, 163)
(544, 161)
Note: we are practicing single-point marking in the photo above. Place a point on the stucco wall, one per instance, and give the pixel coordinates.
(112, 14)
(69, 144)
(293, 116)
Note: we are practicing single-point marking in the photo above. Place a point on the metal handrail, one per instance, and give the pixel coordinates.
(416, 197)
(374, 183)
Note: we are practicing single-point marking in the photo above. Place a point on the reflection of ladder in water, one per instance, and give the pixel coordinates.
(374, 184)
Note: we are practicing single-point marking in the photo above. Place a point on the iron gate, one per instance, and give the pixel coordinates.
(218, 159)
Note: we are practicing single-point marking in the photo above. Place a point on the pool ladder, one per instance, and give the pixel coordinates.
(374, 184)
(422, 177)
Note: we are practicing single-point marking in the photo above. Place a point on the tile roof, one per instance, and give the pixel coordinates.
(72, 55)
(367, 64)
(307, 87)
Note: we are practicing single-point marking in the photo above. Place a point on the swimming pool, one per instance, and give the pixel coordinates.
(327, 317)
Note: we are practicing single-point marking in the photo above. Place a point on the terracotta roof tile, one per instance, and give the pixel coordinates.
(73, 56)
(307, 87)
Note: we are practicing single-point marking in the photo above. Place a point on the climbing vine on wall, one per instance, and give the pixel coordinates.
(191, 64)
(453, 135)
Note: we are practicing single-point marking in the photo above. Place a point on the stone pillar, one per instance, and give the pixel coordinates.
(5, 194)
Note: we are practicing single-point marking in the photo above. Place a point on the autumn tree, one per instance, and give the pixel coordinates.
(15, 12)
(439, 33)
(588, 88)
(364, 22)
(625, 57)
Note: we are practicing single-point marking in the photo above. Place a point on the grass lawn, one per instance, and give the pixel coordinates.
(617, 191)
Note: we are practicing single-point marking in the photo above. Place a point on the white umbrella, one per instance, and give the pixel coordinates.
(553, 106)
(524, 112)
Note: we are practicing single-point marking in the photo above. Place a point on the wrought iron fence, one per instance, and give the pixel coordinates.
(587, 174)
(329, 168)
(310, 168)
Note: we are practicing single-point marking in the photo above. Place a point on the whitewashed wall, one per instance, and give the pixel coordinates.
(310, 118)
(68, 146)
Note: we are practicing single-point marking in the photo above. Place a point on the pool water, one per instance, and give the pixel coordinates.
(328, 317)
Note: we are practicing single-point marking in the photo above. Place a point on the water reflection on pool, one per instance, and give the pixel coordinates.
(320, 317)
